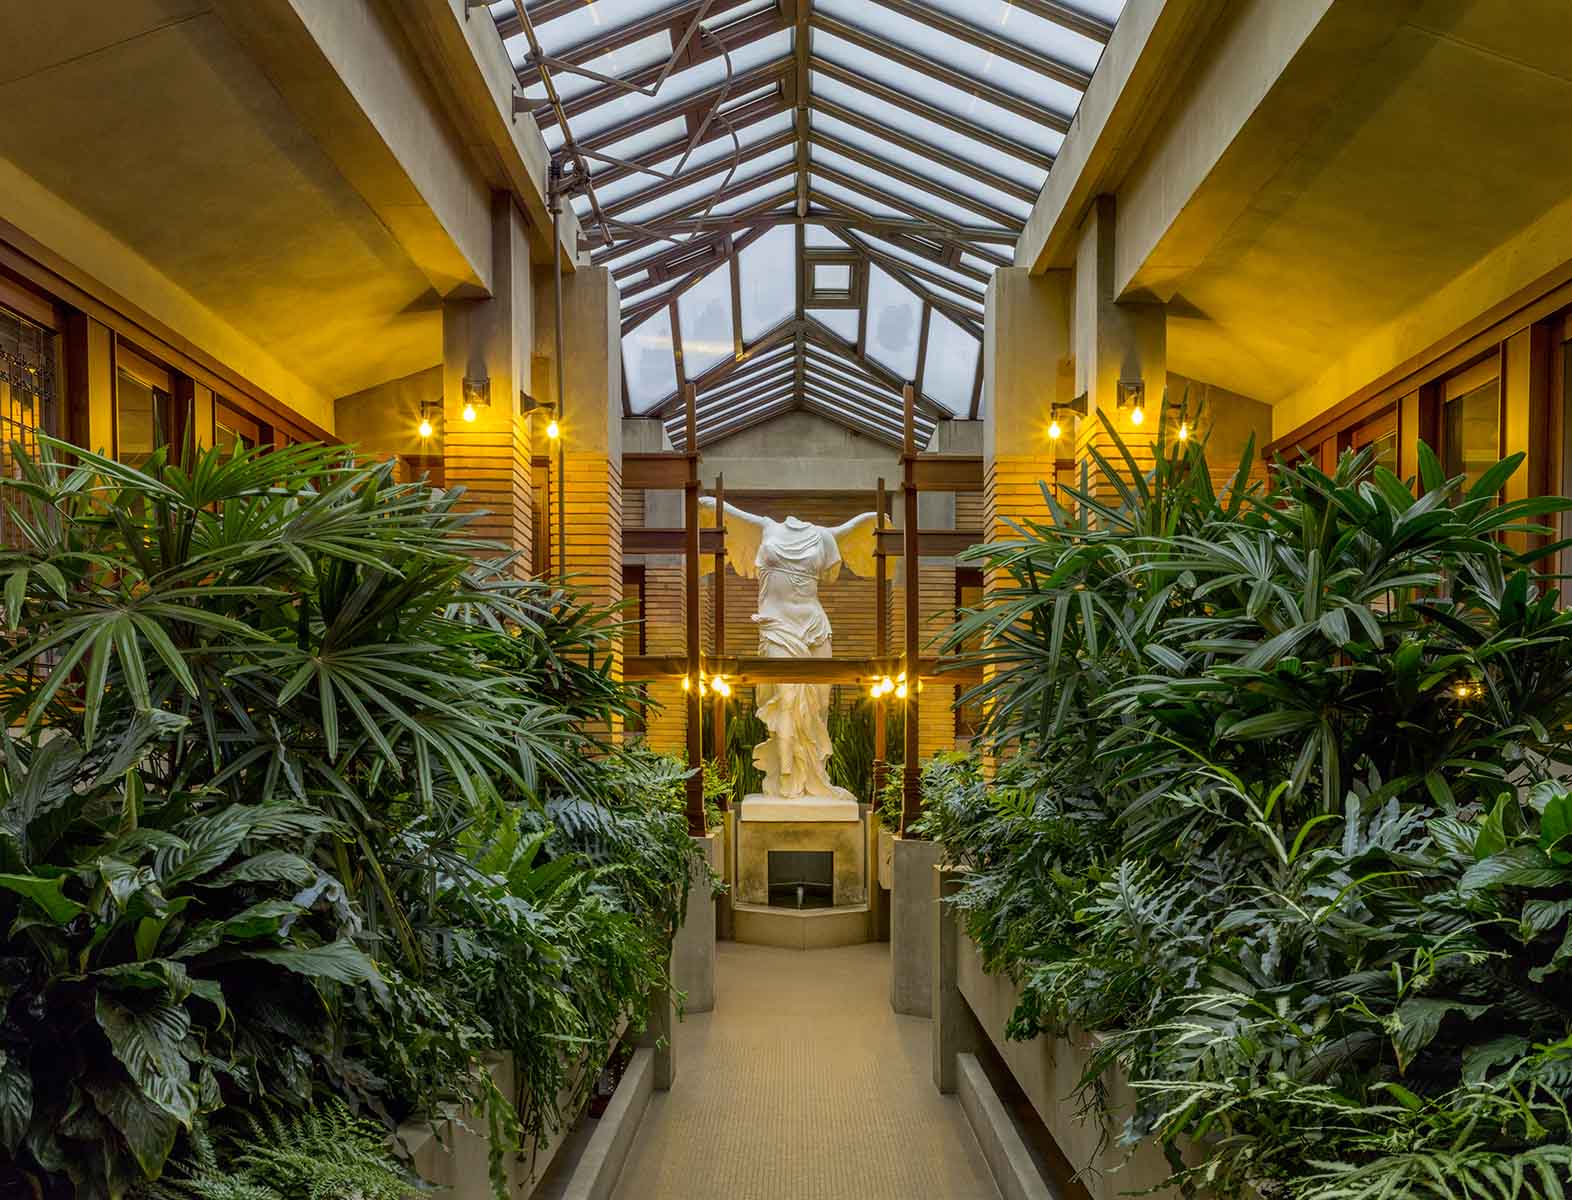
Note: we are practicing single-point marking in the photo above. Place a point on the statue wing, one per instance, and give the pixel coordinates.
(744, 532)
(855, 539)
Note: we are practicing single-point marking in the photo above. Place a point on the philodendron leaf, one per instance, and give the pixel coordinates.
(1477, 1060)
(148, 1130)
(1555, 827)
(16, 1100)
(340, 961)
(147, 1041)
(48, 894)
(1417, 1021)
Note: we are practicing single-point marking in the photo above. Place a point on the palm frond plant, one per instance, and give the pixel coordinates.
(300, 798)
(1280, 819)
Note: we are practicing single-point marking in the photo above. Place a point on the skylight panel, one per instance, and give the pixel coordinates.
(915, 125)
(964, 105)
(818, 237)
(920, 198)
(968, 185)
(623, 61)
(894, 317)
(705, 315)
(963, 284)
(769, 281)
(590, 20)
(949, 371)
(648, 362)
(854, 200)
(685, 196)
(748, 199)
(842, 322)
(1018, 24)
(639, 143)
(722, 148)
(963, 56)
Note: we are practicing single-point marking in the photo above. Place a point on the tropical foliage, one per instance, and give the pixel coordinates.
(1282, 819)
(299, 802)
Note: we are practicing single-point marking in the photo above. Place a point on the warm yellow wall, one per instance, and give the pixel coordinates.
(382, 420)
(1512, 266)
(43, 215)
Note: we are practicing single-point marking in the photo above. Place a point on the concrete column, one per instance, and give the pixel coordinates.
(591, 421)
(1114, 341)
(488, 342)
(954, 1029)
(693, 954)
(912, 926)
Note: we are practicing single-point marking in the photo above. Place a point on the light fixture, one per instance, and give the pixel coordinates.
(528, 404)
(1184, 431)
(1131, 394)
(477, 394)
(1137, 415)
(469, 413)
(426, 427)
(553, 430)
(719, 686)
(1054, 432)
(687, 684)
(901, 692)
(1061, 413)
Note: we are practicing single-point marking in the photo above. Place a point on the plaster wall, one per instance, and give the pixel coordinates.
(92, 249)
(1509, 268)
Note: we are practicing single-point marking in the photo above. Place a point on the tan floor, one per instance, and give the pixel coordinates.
(803, 1085)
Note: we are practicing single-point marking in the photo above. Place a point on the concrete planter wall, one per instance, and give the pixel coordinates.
(693, 953)
(913, 916)
(886, 859)
(969, 1004)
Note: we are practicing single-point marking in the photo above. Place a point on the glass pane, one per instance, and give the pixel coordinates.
(922, 129)
(855, 200)
(1471, 432)
(649, 367)
(705, 312)
(640, 143)
(951, 367)
(965, 57)
(582, 22)
(832, 277)
(999, 121)
(141, 419)
(917, 198)
(693, 193)
(720, 149)
(817, 237)
(623, 61)
(841, 321)
(968, 185)
(769, 281)
(965, 285)
(1006, 19)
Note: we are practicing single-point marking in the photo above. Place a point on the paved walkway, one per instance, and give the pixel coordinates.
(803, 1085)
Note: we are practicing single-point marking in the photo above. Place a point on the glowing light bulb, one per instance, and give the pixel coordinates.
(901, 692)
(720, 686)
(1137, 415)
(687, 684)
(424, 428)
(1184, 431)
(703, 691)
(469, 412)
(552, 431)
(1054, 432)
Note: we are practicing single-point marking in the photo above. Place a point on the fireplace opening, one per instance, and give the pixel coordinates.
(802, 878)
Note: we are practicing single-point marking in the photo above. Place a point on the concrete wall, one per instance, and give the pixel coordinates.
(382, 421)
(800, 451)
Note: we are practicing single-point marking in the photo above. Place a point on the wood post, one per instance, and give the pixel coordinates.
(911, 794)
(718, 718)
(881, 646)
(695, 703)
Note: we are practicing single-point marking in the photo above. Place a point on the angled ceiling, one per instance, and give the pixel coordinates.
(802, 200)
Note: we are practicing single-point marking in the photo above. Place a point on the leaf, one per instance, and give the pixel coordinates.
(148, 1129)
(1555, 823)
(48, 894)
(1477, 1060)
(340, 961)
(1540, 915)
(147, 1041)
(1521, 866)
(16, 1099)
(1417, 1021)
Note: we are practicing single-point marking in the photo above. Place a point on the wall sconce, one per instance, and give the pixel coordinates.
(477, 394)
(427, 409)
(1132, 395)
(528, 404)
(1066, 413)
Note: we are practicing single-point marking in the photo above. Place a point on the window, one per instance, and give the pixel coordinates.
(145, 412)
(1471, 420)
(29, 379)
(1379, 431)
(233, 428)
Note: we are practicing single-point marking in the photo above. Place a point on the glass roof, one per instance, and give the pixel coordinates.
(802, 200)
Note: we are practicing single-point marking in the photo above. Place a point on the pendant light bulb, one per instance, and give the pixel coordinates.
(469, 412)
(424, 428)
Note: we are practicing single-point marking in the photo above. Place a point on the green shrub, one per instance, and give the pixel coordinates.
(1283, 821)
(300, 800)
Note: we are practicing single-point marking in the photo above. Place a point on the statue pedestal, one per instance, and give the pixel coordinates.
(824, 835)
(800, 808)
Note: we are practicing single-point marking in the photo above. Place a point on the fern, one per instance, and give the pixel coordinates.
(320, 1153)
